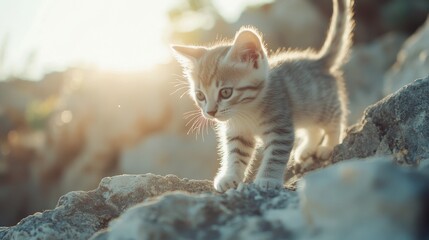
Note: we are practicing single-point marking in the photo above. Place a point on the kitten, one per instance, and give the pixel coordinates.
(254, 98)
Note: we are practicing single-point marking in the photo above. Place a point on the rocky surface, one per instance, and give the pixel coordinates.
(371, 199)
(79, 215)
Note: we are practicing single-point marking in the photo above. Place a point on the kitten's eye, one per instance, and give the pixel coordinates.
(225, 93)
(200, 96)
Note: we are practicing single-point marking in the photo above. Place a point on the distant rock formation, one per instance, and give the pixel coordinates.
(364, 72)
(412, 61)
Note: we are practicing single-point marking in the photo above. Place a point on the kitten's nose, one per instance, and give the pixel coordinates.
(212, 113)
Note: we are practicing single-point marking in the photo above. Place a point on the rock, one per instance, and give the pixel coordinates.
(376, 18)
(365, 70)
(287, 24)
(371, 199)
(357, 199)
(412, 61)
(366, 199)
(398, 125)
(79, 215)
(238, 214)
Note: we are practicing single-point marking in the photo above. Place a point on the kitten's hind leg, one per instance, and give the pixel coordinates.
(332, 138)
(311, 138)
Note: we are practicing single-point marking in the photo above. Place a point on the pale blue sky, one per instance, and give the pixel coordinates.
(122, 35)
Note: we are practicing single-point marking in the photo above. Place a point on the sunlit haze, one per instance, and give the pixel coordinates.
(38, 36)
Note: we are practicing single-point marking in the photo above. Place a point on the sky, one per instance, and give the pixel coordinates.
(39, 36)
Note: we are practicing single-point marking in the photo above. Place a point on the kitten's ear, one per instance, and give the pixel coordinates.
(247, 46)
(190, 53)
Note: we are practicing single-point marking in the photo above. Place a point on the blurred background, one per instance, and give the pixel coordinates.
(89, 88)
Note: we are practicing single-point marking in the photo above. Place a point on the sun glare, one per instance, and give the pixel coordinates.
(109, 34)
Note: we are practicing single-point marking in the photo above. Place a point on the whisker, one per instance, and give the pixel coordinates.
(178, 77)
(178, 82)
(191, 112)
(193, 127)
(204, 127)
(199, 129)
(187, 91)
(191, 115)
(191, 120)
(181, 84)
(179, 89)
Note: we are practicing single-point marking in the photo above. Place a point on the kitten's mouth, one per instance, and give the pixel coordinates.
(211, 118)
(216, 118)
(222, 116)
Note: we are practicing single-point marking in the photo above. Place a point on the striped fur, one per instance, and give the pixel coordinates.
(271, 97)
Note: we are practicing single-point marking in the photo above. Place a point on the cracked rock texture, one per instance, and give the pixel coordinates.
(398, 125)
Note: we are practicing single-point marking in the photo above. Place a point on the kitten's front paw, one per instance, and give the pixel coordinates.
(268, 183)
(225, 182)
(324, 152)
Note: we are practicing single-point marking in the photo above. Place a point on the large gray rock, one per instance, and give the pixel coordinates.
(398, 125)
(79, 215)
(412, 61)
(238, 214)
(366, 199)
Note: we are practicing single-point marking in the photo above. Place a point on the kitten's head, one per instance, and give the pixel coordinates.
(225, 79)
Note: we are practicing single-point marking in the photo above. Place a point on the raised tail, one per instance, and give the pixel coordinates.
(339, 38)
